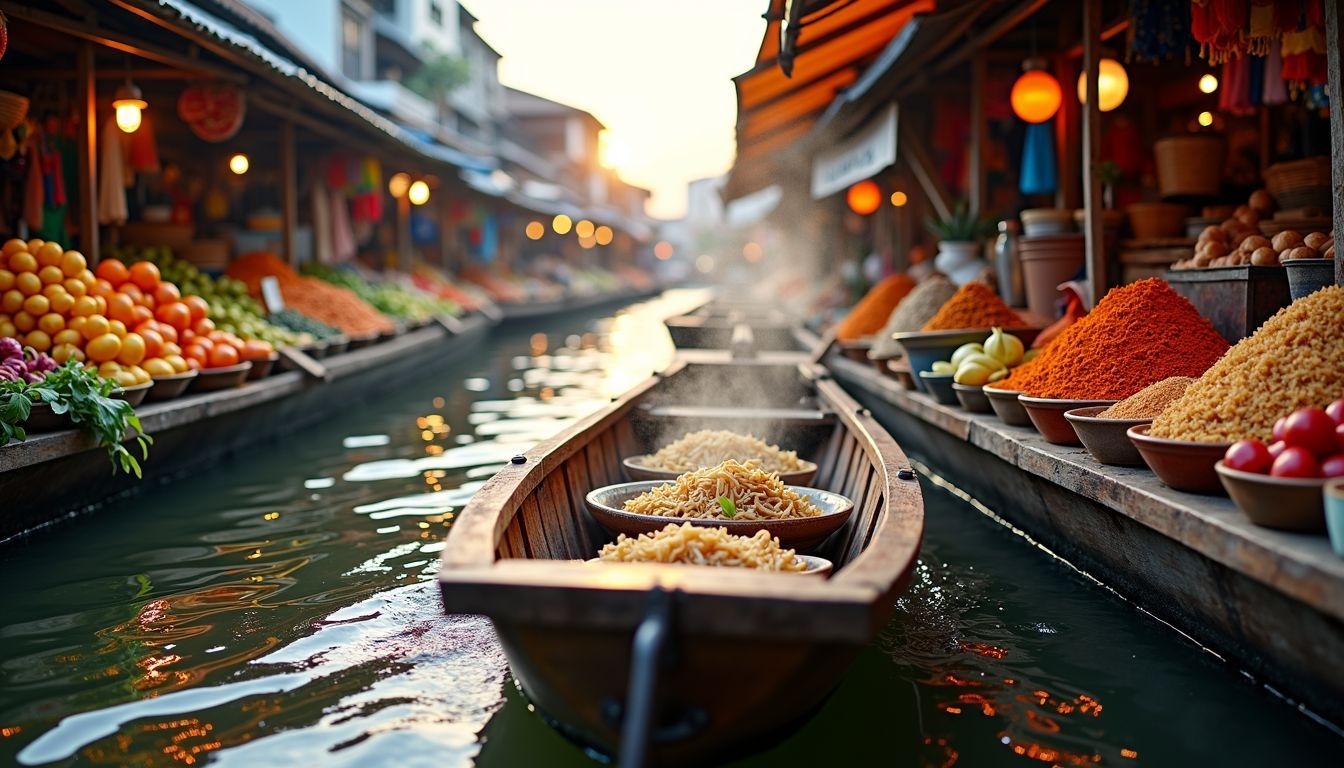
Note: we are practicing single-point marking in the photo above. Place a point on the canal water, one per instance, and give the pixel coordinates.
(278, 608)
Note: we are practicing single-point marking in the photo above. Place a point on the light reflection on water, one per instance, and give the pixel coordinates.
(278, 610)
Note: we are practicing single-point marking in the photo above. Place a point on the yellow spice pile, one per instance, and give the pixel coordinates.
(1295, 360)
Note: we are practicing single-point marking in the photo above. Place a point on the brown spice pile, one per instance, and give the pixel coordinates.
(974, 305)
(1295, 360)
(1148, 402)
(912, 313)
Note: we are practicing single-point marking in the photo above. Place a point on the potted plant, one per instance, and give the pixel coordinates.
(960, 243)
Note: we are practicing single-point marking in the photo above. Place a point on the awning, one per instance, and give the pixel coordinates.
(836, 43)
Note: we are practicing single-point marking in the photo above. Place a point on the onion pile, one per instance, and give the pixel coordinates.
(16, 365)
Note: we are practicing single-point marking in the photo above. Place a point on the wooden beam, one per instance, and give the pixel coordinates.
(1092, 231)
(86, 150)
(1334, 52)
(289, 192)
(921, 165)
(977, 184)
(1107, 32)
(142, 73)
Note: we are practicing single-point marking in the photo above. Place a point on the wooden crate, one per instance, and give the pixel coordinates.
(1235, 299)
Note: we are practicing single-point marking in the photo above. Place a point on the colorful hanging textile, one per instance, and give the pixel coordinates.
(112, 176)
(1159, 29)
(1039, 173)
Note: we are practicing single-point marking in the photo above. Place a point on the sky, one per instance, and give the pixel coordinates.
(657, 73)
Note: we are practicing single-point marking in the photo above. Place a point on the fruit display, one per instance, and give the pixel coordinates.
(433, 280)
(232, 308)
(1307, 443)
(301, 323)
(979, 364)
(389, 298)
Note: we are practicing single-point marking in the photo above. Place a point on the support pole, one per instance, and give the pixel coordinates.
(977, 184)
(1334, 41)
(87, 152)
(289, 192)
(1096, 252)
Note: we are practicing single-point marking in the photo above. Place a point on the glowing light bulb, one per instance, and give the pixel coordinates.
(128, 102)
(663, 250)
(1208, 84)
(561, 224)
(398, 184)
(535, 230)
(899, 198)
(603, 235)
(418, 193)
(239, 163)
(1206, 119)
(1112, 85)
(584, 228)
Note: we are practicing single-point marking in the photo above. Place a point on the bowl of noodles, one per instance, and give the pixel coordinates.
(710, 447)
(712, 547)
(741, 498)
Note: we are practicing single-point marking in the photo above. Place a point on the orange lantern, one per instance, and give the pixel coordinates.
(1036, 96)
(864, 198)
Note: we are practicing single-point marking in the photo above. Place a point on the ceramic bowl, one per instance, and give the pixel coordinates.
(636, 471)
(42, 419)
(900, 370)
(1006, 407)
(1047, 414)
(1334, 514)
(135, 395)
(1289, 503)
(362, 340)
(262, 368)
(1105, 439)
(212, 379)
(972, 398)
(315, 350)
(338, 344)
(939, 386)
(816, 566)
(1182, 464)
(607, 506)
(923, 349)
(856, 350)
(169, 387)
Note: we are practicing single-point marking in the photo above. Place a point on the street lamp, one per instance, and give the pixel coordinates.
(128, 103)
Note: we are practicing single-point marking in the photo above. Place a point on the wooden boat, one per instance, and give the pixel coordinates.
(674, 664)
(713, 325)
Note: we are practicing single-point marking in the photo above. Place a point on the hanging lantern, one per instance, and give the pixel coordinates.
(1036, 96)
(864, 197)
(418, 192)
(1112, 85)
(128, 102)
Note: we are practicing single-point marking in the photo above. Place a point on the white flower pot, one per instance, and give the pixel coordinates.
(960, 260)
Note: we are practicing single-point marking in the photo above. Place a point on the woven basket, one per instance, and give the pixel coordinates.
(1190, 166)
(13, 108)
(1301, 183)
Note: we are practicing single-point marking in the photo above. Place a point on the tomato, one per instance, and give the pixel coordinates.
(223, 355)
(35, 244)
(170, 348)
(37, 305)
(256, 350)
(38, 339)
(133, 291)
(73, 263)
(153, 341)
(1296, 461)
(77, 324)
(109, 369)
(1333, 466)
(132, 349)
(142, 314)
(204, 326)
(1339, 436)
(88, 278)
(49, 254)
(145, 275)
(1277, 447)
(169, 332)
(193, 364)
(157, 366)
(51, 323)
(105, 348)
(1310, 428)
(125, 379)
(1248, 456)
(166, 293)
(84, 306)
(95, 326)
(20, 263)
(1336, 410)
(199, 354)
(175, 314)
(7, 328)
(202, 342)
(178, 362)
(102, 304)
(200, 309)
(101, 288)
(1277, 432)
(113, 271)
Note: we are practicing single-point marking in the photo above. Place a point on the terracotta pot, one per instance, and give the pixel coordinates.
(1047, 262)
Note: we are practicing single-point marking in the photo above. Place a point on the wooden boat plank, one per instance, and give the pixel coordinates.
(534, 531)
(786, 416)
(577, 485)
(553, 501)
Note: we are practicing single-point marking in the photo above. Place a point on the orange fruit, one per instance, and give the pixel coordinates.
(132, 290)
(165, 293)
(29, 283)
(49, 275)
(73, 263)
(37, 305)
(153, 341)
(102, 288)
(199, 307)
(62, 352)
(171, 348)
(38, 340)
(84, 306)
(61, 302)
(178, 362)
(121, 307)
(204, 326)
(95, 326)
(74, 287)
(117, 328)
(132, 349)
(35, 245)
(11, 301)
(175, 314)
(6, 280)
(49, 255)
(256, 350)
(108, 368)
(87, 278)
(157, 366)
(23, 321)
(143, 314)
(141, 375)
(169, 332)
(104, 348)
(77, 324)
(67, 336)
(102, 304)
(7, 328)
(145, 275)
(22, 262)
(14, 246)
(113, 271)
(52, 323)
(223, 355)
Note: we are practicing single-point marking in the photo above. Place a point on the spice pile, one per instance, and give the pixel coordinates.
(318, 299)
(1137, 335)
(974, 305)
(1150, 401)
(914, 311)
(874, 308)
(1295, 360)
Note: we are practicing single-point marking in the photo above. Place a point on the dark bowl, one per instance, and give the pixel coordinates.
(803, 533)
(363, 340)
(42, 419)
(316, 350)
(338, 344)
(924, 348)
(135, 395)
(638, 472)
(1307, 276)
(856, 350)
(1182, 464)
(1105, 439)
(228, 377)
(1288, 503)
(169, 387)
(1047, 414)
(972, 398)
(262, 368)
(1006, 407)
(939, 385)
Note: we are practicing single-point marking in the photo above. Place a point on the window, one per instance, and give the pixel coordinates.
(352, 46)
(436, 13)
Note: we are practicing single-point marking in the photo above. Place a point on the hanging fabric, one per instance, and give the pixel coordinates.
(144, 148)
(1275, 89)
(32, 190)
(112, 176)
(320, 203)
(1039, 173)
(344, 246)
(1159, 29)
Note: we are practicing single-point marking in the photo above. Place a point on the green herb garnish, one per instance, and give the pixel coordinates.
(729, 508)
(15, 405)
(86, 397)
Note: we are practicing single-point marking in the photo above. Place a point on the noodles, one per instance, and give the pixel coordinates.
(749, 493)
(694, 545)
(706, 448)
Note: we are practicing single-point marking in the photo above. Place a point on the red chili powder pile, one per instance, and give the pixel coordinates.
(872, 311)
(1137, 335)
(974, 305)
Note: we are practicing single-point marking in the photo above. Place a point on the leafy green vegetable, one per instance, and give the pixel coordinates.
(86, 397)
(15, 405)
(729, 508)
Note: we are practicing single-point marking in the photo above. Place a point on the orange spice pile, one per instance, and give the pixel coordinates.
(331, 304)
(974, 305)
(872, 311)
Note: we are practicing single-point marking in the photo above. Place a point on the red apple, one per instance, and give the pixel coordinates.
(1333, 466)
(1248, 456)
(1313, 429)
(1295, 461)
